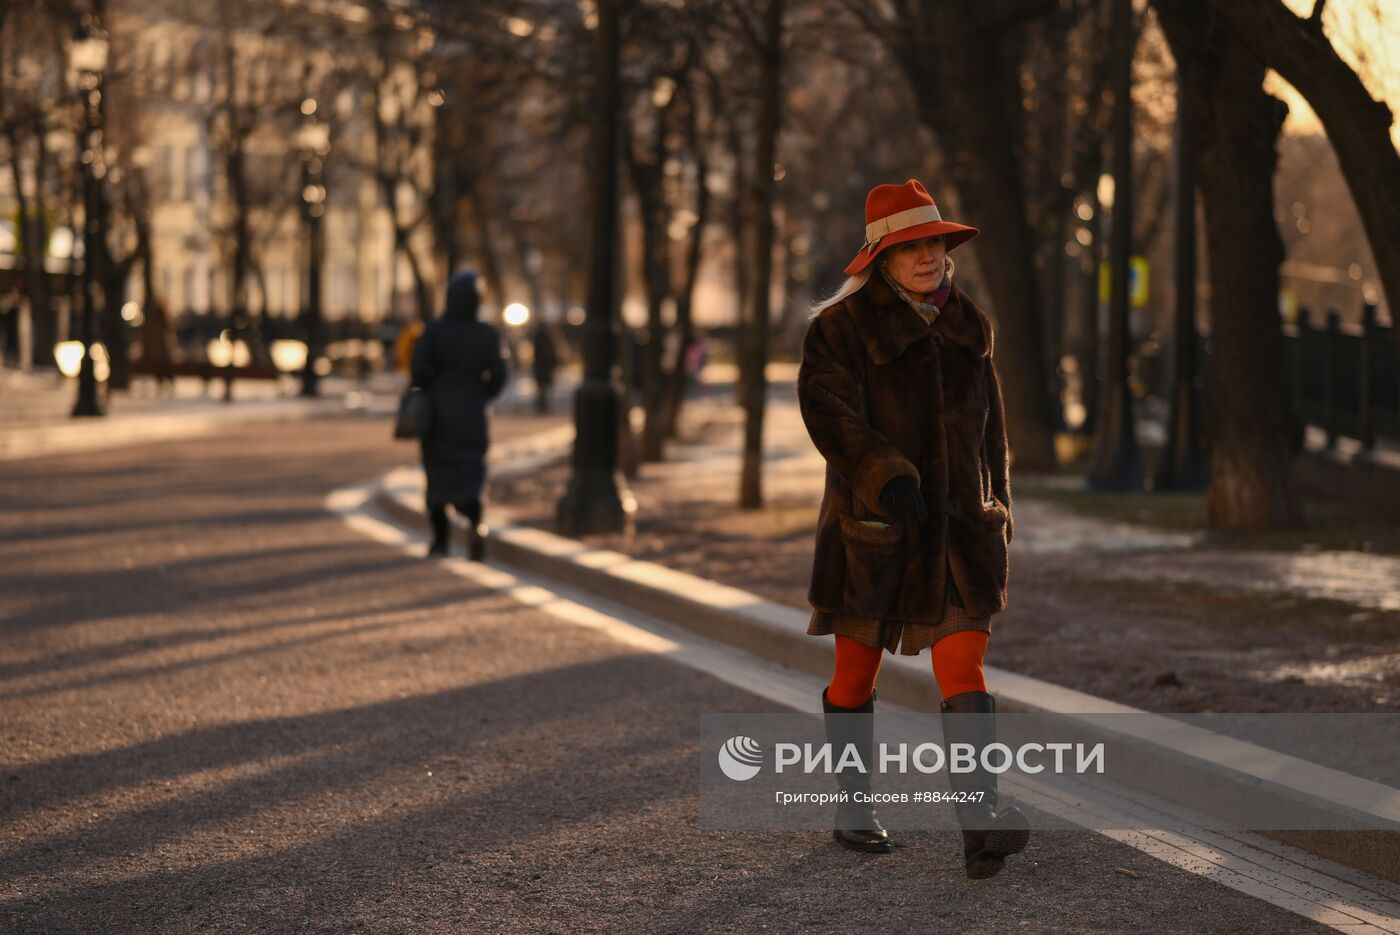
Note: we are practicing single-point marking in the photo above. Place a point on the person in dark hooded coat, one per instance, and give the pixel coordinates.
(458, 362)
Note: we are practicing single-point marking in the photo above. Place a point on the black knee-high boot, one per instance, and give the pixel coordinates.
(476, 532)
(989, 835)
(856, 824)
(437, 516)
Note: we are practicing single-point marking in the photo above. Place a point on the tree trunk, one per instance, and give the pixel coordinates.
(487, 251)
(1357, 125)
(443, 202)
(1116, 463)
(754, 373)
(645, 171)
(421, 291)
(1250, 444)
(1183, 465)
(1087, 162)
(979, 149)
(1056, 280)
(112, 275)
(264, 315)
(1087, 312)
(238, 275)
(155, 327)
(741, 237)
(41, 235)
(33, 233)
(119, 348)
(479, 193)
(685, 296)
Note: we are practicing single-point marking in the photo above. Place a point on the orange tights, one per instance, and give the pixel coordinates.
(957, 665)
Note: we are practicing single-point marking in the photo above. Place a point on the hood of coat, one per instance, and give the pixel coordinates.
(463, 297)
(887, 324)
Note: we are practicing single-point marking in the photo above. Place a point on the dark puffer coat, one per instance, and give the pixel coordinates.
(458, 361)
(885, 394)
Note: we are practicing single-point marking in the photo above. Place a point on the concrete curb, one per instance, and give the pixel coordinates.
(1225, 775)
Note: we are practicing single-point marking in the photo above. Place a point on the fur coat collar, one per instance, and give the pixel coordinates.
(887, 325)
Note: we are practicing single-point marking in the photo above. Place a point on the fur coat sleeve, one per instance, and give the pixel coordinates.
(995, 446)
(830, 394)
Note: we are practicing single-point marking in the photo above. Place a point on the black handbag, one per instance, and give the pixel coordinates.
(415, 414)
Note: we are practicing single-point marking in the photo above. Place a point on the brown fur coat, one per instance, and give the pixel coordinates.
(882, 394)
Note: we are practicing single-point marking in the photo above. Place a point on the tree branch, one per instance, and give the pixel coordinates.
(750, 30)
(999, 16)
(874, 24)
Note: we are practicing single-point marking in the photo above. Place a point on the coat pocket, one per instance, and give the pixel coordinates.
(874, 566)
(980, 558)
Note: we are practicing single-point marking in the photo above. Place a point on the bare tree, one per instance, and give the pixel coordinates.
(32, 93)
(766, 39)
(255, 88)
(656, 136)
(511, 138)
(1357, 124)
(1250, 436)
(403, 97)
(691, 254)
(963, 66)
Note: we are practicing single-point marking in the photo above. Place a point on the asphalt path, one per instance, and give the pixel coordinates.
(225, 710)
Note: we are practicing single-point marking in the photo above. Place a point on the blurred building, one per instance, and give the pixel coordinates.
(182, 79)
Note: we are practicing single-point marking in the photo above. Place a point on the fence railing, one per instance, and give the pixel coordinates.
(194, 329)
(1345, 381)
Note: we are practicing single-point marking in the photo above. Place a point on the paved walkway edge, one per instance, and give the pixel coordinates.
(1225, 775)
(115, 430)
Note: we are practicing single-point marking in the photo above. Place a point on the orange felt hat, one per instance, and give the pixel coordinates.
(895, 214)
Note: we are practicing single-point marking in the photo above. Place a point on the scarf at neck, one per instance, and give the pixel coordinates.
(930, 309)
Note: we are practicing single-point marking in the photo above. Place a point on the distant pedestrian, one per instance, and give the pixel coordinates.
(899, 393)
(403, 345)
(695, 358)
(544, 361)
(457, 361)
(157, 347)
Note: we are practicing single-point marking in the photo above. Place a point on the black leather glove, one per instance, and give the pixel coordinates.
(901, 500)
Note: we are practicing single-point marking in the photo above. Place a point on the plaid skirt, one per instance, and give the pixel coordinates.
(887, 632)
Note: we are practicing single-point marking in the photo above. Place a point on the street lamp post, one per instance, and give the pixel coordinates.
(89, 60)
(594, 500)
(314, 141)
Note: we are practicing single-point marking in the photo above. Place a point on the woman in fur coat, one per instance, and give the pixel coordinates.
(899, 393)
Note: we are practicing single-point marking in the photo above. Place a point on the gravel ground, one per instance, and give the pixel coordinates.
(227, 712)
(1114, 619)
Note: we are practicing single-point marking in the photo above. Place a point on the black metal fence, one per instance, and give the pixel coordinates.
(194, 330)
(1346, 382)
(353, 346)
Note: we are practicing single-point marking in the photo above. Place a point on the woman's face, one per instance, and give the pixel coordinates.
(917, 265)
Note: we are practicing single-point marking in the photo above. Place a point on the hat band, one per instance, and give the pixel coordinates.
(900, 220)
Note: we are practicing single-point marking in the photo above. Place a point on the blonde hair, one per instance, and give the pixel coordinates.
(851, 286)
(854, 284)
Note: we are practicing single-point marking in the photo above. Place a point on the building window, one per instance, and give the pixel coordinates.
(194, 171)
(169, 171)
(190, 287)
(344, 291)
(277, 285)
